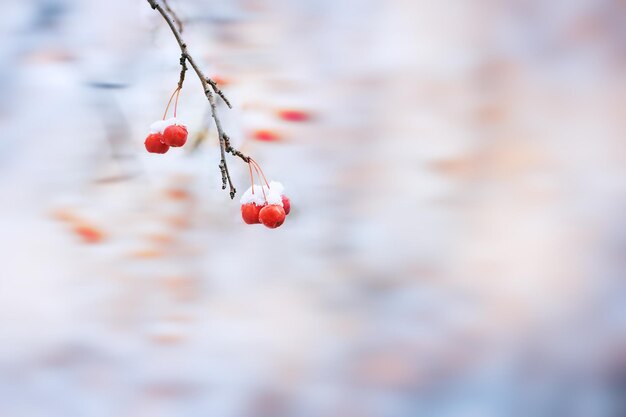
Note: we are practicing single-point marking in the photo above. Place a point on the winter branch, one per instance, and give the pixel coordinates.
(210, 89)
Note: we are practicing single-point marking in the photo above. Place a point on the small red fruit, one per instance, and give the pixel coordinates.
(175, 135)
(265, 135)
(286, 204)
(154, 143)
(272, 216)
(250, 213)
(293, 115)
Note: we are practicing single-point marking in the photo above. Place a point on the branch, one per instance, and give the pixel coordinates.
(210, 88)
(179, 23)
(183, 70)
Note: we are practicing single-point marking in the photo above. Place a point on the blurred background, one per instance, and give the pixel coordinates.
(457, 241)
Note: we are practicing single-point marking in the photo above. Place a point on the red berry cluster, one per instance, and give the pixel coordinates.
(160, 140)
(270, 215)
(166, 133)
(270, 207)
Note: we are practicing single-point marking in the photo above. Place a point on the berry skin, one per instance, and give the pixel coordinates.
(293, 115)
(175, 135)
(154, 143)
(286, 204)
(272, 216)
(250, 213)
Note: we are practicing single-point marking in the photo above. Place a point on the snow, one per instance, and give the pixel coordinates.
(160, 125)
(274, 194)
(250, 197)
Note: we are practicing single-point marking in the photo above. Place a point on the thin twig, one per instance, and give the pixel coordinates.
(210, 88)
(178, 22)
(219, 92)
(234, 151)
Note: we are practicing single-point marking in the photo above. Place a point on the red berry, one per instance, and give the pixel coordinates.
(293, 115)
(154, 143)
(272, 216)
(175, 135)
(265, 135)
(250, 213)
(286, 204)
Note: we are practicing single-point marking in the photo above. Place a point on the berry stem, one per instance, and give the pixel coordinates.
(251, 177)
(176, 102)
(170, 102)
(259, 175)
(259, 169)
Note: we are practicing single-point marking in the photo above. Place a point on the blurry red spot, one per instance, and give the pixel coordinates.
(221, 81)
(182, 288)
(294, 115)
(64, 215)
(147, 254)
(265, 135)
(89, 234)
(178, 194)
(181, 222)
(160, 238)
(167, 338)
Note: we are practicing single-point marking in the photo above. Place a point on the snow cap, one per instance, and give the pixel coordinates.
(160, 125)
(274, 194)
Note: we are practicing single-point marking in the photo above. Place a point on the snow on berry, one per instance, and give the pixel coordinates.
(257, 198)
(262, 195)
(171, 132)
(275, 193)
(160, 125)
(254, 195)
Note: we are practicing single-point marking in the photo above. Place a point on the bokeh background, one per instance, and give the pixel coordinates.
(457, 242)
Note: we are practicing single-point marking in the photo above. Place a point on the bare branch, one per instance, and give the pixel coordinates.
(219, 92)
(178, 22)
(209, 86)
(234, 151)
